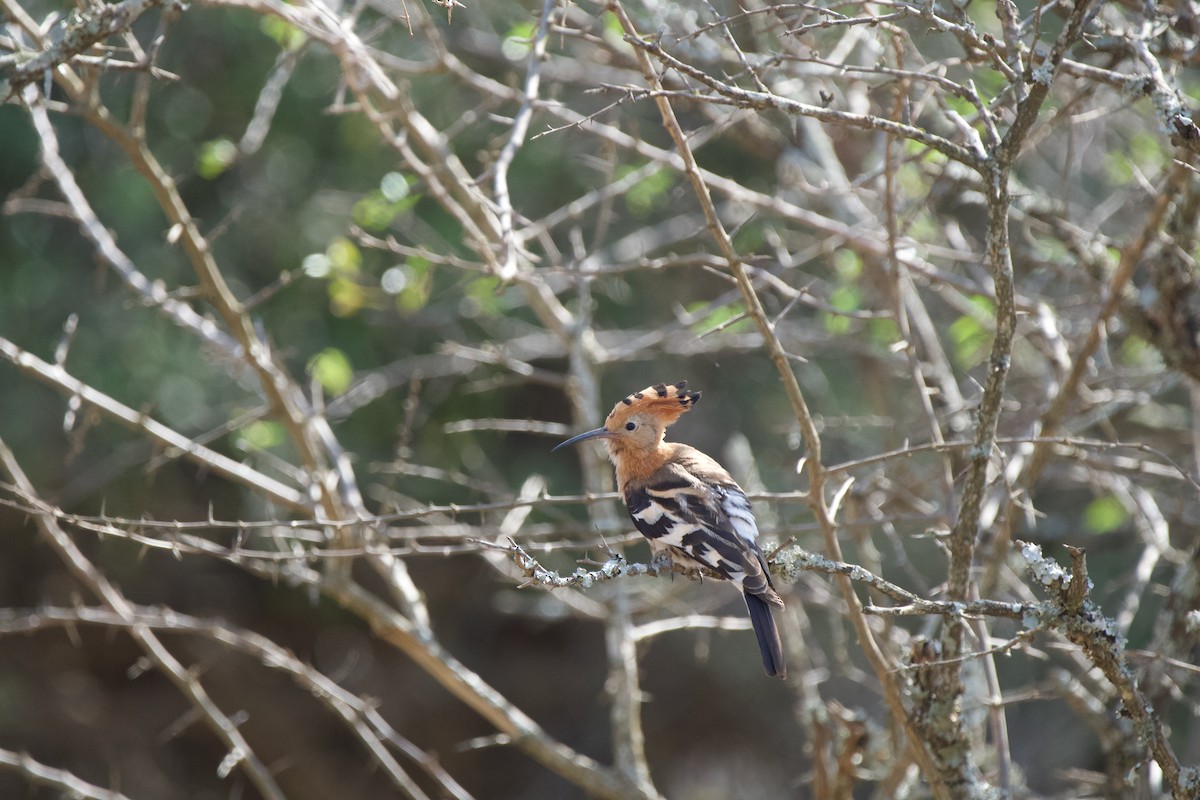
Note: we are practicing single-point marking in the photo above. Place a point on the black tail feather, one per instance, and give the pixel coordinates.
(768, 635)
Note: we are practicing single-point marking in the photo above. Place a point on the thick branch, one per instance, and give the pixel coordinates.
(1078, 618)
(82, 30)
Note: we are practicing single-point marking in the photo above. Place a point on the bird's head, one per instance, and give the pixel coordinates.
(639, 421)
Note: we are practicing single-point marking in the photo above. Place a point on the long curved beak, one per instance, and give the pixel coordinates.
(599, 432)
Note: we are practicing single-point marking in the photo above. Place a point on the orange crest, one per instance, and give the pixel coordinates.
(665, 401)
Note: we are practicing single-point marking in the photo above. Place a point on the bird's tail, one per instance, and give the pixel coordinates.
(768, 635)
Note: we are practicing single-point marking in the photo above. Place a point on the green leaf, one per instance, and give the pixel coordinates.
(286, 35)
(989, 83)
(332, 370)
(1137, 352)
(1117, 167)
(518, 42)
(374, 212)
(1104, 515)
(721, 318)
(344, 256)
(377, 209)
(847, 264)
(884, 331)
(960, 104)
(971, 339)
(420, 266)
(261, 435)
(836, 323)
(911, 177)
(650, 192)
(216, 156)
(612, 26)
(1146, 150)
(346, 297)
(484, 295)
(418, 285)
(749, 238)
(846, 298)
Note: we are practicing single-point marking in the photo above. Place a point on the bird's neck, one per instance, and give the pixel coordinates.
(638, 464)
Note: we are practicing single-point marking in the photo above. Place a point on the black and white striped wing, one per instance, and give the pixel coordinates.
(709, 524)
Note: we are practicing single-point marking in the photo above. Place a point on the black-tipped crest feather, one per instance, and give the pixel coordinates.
(668, 400)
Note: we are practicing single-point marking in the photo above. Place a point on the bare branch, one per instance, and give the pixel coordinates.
(1078, 618)
(81, 31)
(360, 716)
(41, 775)
(239, 753)
(58, 378)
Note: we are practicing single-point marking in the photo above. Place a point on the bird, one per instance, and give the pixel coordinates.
(687, 505)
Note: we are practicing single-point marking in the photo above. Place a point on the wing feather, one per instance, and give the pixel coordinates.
(707, 523)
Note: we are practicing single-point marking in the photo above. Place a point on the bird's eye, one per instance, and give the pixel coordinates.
(630, 426)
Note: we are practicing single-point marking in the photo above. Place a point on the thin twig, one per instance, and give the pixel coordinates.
(239, 754)
(516, 137)
(65, 783)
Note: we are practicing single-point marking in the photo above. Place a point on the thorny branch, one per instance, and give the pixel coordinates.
(824, 513)
(239, 754)
(368, 725)
(223, 465)
(787, 564)
(40, 774)
(80, 31)
(865, 157)
(520, 127)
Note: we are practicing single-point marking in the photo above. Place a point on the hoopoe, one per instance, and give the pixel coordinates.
(686, 504)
